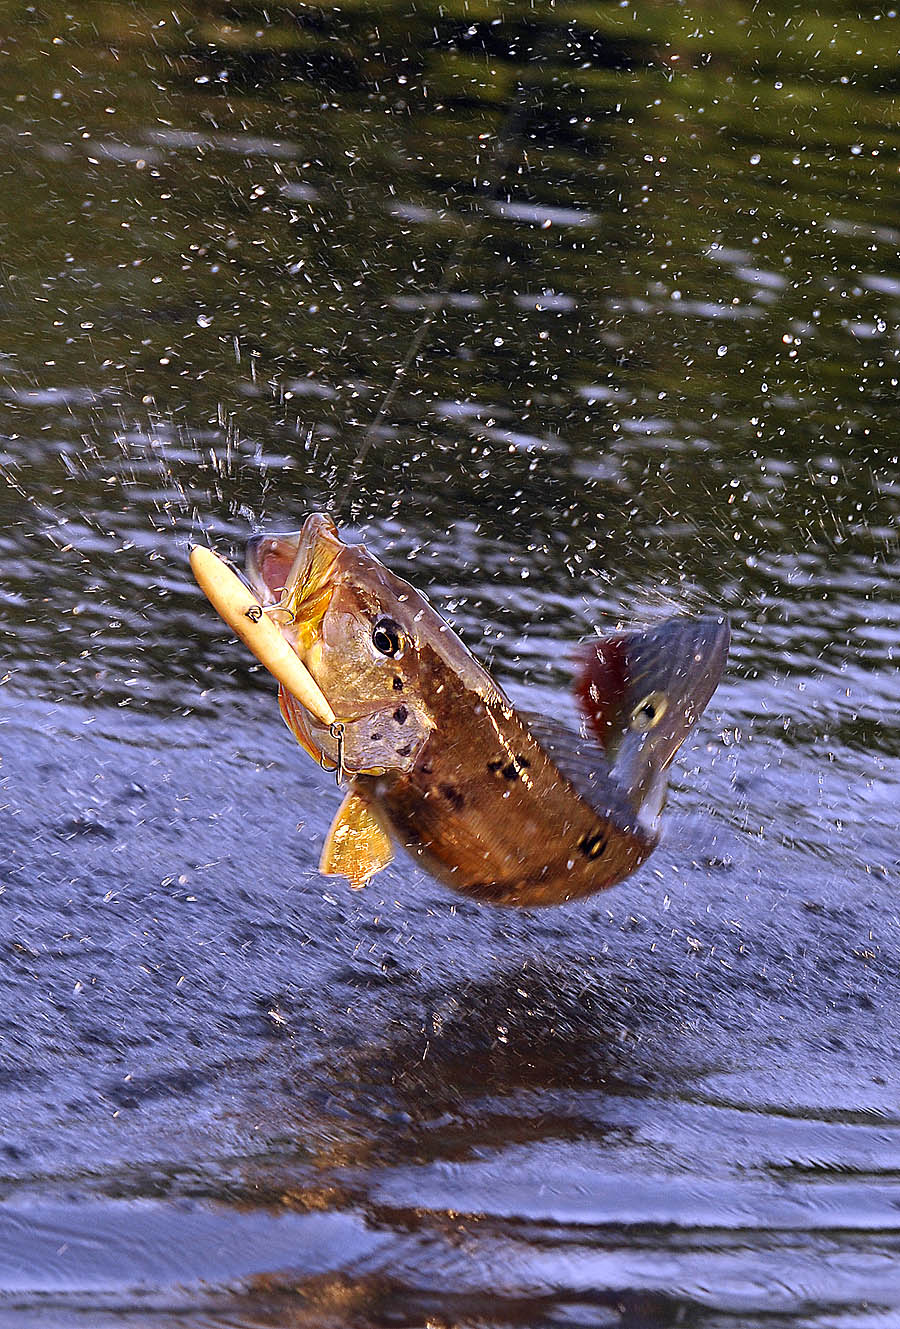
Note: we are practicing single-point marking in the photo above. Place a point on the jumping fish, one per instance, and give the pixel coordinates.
(502, 808)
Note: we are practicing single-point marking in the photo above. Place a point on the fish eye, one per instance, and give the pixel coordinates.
(387, 638)
(649, 711)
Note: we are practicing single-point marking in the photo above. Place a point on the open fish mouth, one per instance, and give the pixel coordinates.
(293, 578)
(295, 572)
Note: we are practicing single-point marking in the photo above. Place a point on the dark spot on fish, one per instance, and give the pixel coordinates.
(400, 714)
(453, 796)
(398, 684)
(510, 770)
(405, 750)
(593, 844)
(376, 738)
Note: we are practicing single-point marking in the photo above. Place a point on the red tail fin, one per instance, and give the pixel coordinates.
(601, 684)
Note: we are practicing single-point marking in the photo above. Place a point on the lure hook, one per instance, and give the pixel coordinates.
(336, 731)
(255, 613)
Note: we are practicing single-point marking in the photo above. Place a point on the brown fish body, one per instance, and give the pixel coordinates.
(490, 813)
(439, 760)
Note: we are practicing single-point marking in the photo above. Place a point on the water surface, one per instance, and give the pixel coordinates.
(656, 247)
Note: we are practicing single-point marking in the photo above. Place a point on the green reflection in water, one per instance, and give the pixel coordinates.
(668, 357)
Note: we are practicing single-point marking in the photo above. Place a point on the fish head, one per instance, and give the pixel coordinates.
(383, 657)
(642, 692)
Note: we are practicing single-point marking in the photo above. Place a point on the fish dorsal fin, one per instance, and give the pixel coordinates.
(357, 845)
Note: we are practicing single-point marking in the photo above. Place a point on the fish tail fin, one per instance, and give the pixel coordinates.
(643, 691)
(600, 685)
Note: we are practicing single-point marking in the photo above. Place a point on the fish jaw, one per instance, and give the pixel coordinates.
(642, 693)
(302, 726)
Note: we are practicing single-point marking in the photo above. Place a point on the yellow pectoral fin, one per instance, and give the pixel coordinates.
(358, 844)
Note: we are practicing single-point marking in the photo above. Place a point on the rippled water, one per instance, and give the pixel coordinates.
(658, 247)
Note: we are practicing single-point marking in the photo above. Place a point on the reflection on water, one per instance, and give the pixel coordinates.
(657, 250)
